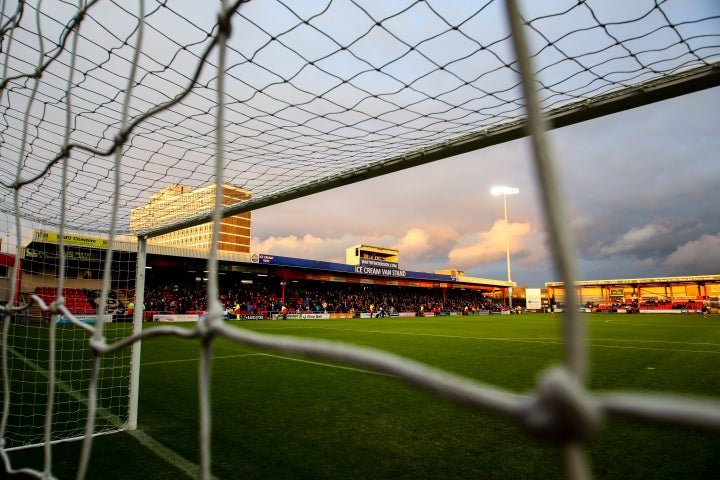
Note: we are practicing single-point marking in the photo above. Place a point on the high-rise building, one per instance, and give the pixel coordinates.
(177, 203)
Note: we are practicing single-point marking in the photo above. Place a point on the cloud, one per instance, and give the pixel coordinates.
(701, 255)
(426, 248)
(631, 240)
(474, 249)
(430, 248)
(307, 246)
(421, 249)
(415, 242)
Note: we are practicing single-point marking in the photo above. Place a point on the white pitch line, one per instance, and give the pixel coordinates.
(323, 364)
(511, 339)
(550, 341)
(656, 341)
(189, 468)
(186, 360)
(628, 323)
(178, 461)
(62, 386)
(681, 350)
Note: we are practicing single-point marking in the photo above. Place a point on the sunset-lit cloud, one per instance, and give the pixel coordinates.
(477, 248)
(307, 246)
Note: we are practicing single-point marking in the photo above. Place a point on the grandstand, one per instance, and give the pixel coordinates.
(665, 294)
(185, 266)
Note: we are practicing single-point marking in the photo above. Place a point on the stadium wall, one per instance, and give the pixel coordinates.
(29, 282)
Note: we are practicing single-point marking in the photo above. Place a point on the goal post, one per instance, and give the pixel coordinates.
(137, 322)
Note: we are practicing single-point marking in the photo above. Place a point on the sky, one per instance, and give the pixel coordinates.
(641, 191)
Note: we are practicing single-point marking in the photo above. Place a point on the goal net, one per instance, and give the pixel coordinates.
(28, 355)
(40, 345)
(104, 103)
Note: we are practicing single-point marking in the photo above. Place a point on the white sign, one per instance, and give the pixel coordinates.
(533, 299)
(176, 318)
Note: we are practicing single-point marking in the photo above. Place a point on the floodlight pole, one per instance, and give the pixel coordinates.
(505, 191)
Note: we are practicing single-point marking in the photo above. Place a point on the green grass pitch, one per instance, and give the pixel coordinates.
(282, 417)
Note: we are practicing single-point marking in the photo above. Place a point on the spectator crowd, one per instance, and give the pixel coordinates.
(265, 297)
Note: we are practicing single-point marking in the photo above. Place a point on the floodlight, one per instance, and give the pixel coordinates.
(502, 190)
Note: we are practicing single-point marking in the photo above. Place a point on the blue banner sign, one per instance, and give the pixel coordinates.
(385, 271)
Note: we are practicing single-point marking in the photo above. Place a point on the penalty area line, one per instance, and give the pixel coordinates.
(170, 456)
(282, 357)
(186, 360)
(323, 364)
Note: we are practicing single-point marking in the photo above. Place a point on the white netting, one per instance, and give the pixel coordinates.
(105, 102)
(27, 345)
(39, 347)
(313, 90)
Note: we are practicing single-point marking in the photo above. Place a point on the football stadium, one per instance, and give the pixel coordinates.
(145, 336)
